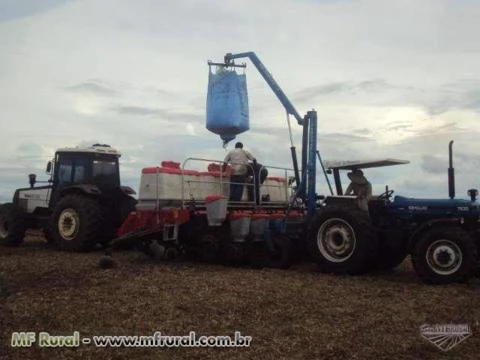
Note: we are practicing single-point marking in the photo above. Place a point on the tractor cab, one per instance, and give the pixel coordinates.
(96, 165)
(93, 169)
(336, 168)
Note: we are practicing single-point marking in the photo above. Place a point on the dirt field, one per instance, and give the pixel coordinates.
(292, 314)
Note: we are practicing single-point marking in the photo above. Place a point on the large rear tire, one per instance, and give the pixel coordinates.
(342, 241)
(445, 255)
(12, 224)
(76, 223)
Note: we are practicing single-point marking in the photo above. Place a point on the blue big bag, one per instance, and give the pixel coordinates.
(227, 103)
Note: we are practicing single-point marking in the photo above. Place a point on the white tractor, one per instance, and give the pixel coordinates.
(82, 203)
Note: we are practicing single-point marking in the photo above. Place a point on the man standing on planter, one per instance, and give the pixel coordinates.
(238, 159)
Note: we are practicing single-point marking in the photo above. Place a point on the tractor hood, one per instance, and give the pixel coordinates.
(450, 206)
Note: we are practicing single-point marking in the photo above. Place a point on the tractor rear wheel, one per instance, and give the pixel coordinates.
(342, 241)
(76, 223)
(444, 255)
(12, 224)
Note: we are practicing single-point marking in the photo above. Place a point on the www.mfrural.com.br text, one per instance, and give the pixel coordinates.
(157, 339)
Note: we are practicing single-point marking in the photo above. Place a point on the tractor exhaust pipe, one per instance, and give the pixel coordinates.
(451, 172)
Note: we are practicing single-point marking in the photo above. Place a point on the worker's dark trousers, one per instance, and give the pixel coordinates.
(236, 187)
(254, 182)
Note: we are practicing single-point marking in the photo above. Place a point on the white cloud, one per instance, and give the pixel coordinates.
(390, 79)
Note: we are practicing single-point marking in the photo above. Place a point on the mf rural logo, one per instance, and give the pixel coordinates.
(445, 337)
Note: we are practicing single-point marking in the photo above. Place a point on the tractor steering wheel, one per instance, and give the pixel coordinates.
(386, 195)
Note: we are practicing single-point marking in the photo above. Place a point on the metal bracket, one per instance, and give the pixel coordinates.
(232, 64)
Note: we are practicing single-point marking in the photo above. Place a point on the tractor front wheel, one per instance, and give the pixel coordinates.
(12, 224)
(444, 255)
(76, 223)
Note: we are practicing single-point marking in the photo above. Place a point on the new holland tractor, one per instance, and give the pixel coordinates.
(82, 203)
(442, 235)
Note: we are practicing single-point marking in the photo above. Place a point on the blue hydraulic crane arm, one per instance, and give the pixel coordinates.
(268, 78)
(306, 185)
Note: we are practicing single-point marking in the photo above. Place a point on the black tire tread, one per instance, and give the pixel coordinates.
(463, 239)
(17, 224)
(367, 241)
(91, 216)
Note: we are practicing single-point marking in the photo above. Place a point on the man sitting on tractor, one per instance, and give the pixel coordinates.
(360, 187)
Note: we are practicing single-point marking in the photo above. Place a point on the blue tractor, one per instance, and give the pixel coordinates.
(441, 235)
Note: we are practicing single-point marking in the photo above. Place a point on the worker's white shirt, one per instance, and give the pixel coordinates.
(238, 158)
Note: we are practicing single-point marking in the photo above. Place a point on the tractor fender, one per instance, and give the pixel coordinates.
(416, 234)
(83, 188)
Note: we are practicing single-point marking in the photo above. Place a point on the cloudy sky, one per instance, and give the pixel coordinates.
(395, 79)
